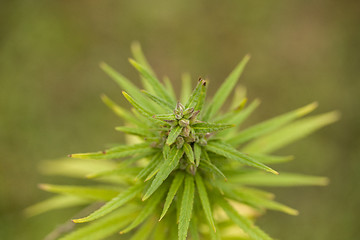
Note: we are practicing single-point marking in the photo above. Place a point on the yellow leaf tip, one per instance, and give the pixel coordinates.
(43, 186)
(102, 64)
(135, 44)
(295, 212)
(90, 176)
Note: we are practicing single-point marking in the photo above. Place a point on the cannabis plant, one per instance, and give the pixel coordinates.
(188, 169)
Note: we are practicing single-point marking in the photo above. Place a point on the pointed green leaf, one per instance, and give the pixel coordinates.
(174, 133)
(161, 102)
(159, 89)
(239, 97)
(141, 132)
(168, 117)
(169, 87)
(166, 168)
(189, 152)
(197, 153)
(166, 150)
(256, 200)
(195, 95)
(77, 169)
(145, 231)
(270, 159)
(270, 125)
(244, 223)
(115, 203)
(147, 209)
(205, 200)
(153, 172)
(291, 133)
(94, 193)
(140, 57)
(185, 87)
(122, 171)
(211, 168)
(201, 99)
(57, 202)
(117, 152)
(121, 112)
(282, 180)
(176, 183)
(104, 227)
(186, 207)
(225, 89)
(141, 109)
(273, 205)
(210, 127)
(127, 86)
(179, 196)
(231, 153)
(154, 162)
(238, 115)
(208, 166)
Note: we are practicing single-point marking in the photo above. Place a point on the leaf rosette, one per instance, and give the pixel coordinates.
(189, 170)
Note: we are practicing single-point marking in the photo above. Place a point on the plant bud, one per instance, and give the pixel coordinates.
(184, 122)
(180, 142)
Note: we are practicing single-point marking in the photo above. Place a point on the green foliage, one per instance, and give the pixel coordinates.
(188, 165)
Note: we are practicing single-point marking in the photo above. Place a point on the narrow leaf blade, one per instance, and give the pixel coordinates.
(186, 207)
(210, 127)
(197, 153)
(147, 210)
(166, 168)
(121, 112)
(270, 125)
(245, 224)
(57, 202)
(174, 133)
(127, 85)
(189, 152)
(81, 191)
(225, 89)
(176, 183)
(291, 133)
(205, 200)
(115, 203)
(231, 153)
(104, 227)
(117, 152)
(282, 180)
(159, 89)
(161, 102)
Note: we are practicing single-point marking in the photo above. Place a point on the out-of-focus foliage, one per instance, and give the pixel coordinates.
(301, 52)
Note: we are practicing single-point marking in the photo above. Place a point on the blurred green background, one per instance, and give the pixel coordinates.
(301, 51)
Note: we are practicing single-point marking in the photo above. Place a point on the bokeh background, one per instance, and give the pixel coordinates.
(50, 85)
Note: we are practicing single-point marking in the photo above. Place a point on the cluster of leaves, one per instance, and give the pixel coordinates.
(186, 164)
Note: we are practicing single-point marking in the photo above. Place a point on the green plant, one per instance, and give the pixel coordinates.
(182, 164)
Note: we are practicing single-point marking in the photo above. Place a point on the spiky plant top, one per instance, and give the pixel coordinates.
(190, 166)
